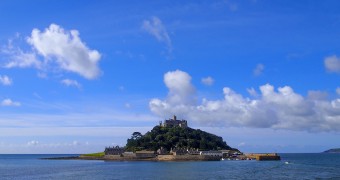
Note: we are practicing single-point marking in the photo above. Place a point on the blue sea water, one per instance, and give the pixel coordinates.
(299, 166)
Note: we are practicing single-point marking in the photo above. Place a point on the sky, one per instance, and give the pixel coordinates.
(77, 76)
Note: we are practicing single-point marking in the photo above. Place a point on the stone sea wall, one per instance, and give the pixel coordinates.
(157, 158)
(187, 158)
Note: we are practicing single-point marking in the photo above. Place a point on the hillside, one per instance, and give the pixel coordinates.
(175, 137)
(336, 150)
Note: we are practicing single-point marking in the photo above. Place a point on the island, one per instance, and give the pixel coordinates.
(335, 150)
(174, 140)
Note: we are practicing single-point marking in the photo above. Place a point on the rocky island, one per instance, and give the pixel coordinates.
(173, 140)
(335, 150)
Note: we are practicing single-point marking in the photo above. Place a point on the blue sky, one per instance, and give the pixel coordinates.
(78, 76)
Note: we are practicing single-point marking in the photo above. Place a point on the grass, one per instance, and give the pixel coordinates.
(99, 154)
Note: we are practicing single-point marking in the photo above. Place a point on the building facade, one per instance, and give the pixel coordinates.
(114, 150)
(174, 122)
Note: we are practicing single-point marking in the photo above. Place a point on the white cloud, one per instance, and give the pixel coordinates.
(56, 47)
(338, 90)
(5, 80)
(9, 102)
(317, 95)
(281, 109)
(258, 69)
(19, 58)
(181, 93)
(332, 64)
(155, 27)
(70, 82)
(252, 92)
(42, 75)
(32, 143)
(23, 60)
(180, 88)
(208, 81)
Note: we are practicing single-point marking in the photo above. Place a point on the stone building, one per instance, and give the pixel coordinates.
(178, 151)
(211, 153)
(114, 150)
(174, 122)
(145, 154)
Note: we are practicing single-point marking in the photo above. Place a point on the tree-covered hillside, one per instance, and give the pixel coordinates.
(175, 137)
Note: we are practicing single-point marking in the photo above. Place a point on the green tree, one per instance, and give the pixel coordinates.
(175, 137)
(136, 135)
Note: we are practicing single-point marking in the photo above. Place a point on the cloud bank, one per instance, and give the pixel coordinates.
(269, 108)
(58, 48)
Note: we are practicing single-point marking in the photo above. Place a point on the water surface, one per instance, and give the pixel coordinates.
(300, 166)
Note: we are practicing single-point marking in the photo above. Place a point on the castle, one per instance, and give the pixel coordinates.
(174, 123)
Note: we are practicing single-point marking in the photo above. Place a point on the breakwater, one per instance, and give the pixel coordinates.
(264, 156)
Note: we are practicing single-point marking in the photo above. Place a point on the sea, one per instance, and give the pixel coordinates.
(291, 166)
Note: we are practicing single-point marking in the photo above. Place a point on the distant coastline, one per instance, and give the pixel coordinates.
(334, 150)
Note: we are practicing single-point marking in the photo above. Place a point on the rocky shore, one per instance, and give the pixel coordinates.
(186, 157)
(157, 158)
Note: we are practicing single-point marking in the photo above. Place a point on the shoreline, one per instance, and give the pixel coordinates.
(160, 158)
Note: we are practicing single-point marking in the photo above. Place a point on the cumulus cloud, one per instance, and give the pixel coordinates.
(57, 48)
(155, 27)
(70, 82)
(181, 93)
(180, 87)
(280, 108)
(208, 81)
(332, 64)
(5, 80)
(317, 95)
(258, 69)
(9, 102)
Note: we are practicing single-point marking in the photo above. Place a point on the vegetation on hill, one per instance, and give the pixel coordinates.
(336, 150)
(175, 137)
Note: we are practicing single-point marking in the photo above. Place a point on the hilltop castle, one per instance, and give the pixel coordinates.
(173, 122)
